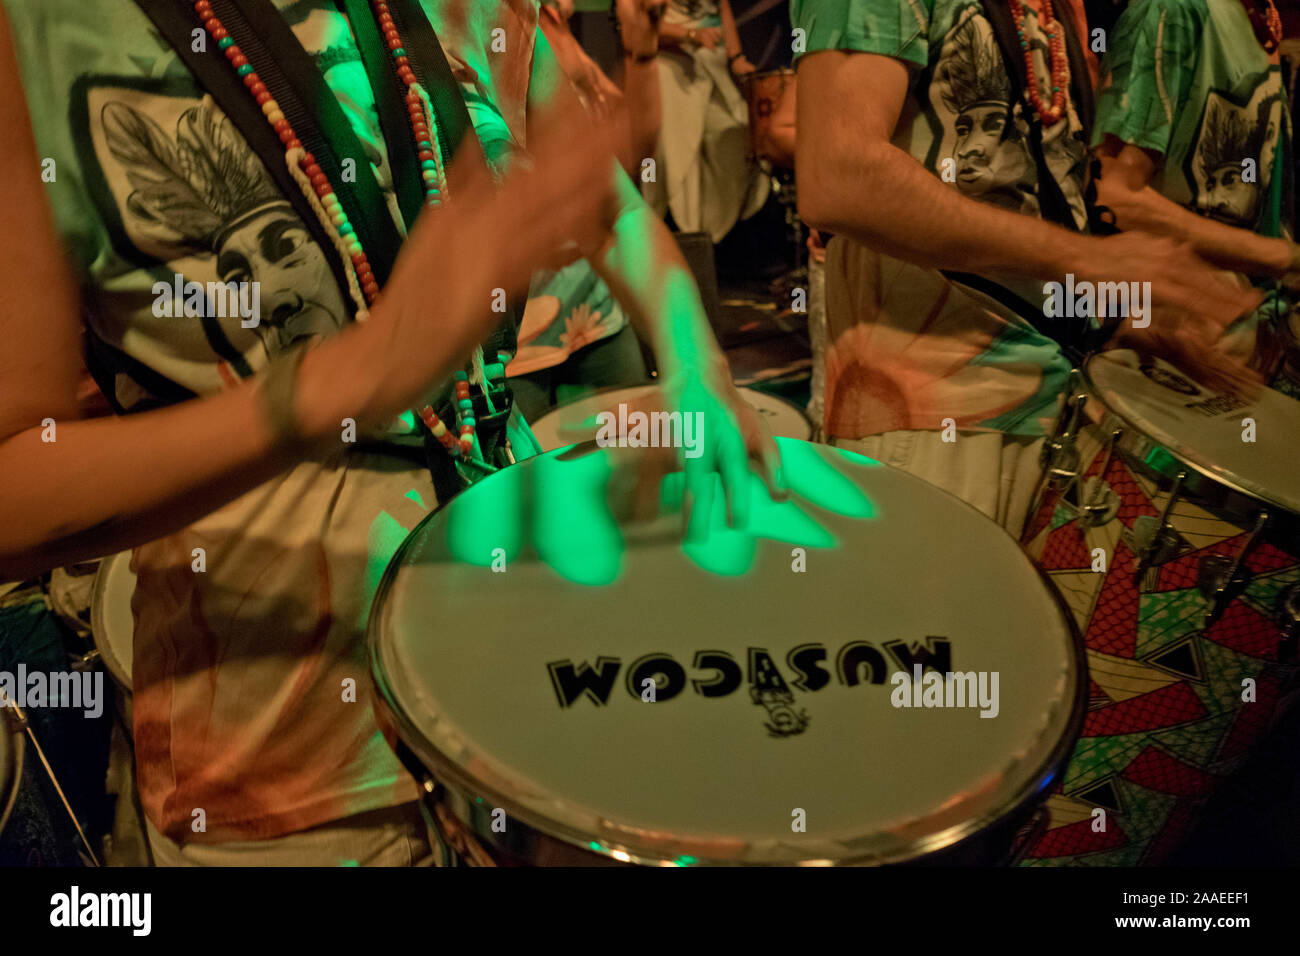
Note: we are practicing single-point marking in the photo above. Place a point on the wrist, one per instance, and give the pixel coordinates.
(1282, 257)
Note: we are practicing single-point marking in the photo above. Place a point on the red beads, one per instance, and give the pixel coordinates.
(1058, 61)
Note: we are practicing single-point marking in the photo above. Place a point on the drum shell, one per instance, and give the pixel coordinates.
(112, 625)
(1137, 612)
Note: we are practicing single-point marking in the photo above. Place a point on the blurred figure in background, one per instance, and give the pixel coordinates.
(1195, 143)
(575, 337)
(704, 177)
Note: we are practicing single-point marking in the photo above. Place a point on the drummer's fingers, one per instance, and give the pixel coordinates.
(733, 466)
(697, 503)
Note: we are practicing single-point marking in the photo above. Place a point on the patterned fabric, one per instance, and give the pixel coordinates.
(251, 684)
(1167, 720)
(567, 310)
(1188, 79)
(994, 371)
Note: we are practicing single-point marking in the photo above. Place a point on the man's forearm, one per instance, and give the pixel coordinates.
(649, 277)
(1225, 246)
(886, 199)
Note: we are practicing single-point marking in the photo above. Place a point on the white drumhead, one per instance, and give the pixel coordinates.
(468, 659)
(112, 621)
(1204, 428)
(783, 419)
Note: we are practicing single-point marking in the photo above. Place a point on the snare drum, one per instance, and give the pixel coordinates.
(113, 622)
(1169, 518)
(783, 419)
(586, 691)
(771, 98)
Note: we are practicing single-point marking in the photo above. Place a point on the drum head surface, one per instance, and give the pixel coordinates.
(1204, 428)
(112, 621)
(783, 419)
(473, 663)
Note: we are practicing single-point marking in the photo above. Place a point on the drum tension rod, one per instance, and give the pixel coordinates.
(1221, 578)
(1098, 504)
(1154, 542)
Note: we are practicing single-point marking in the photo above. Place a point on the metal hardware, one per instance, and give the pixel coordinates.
(1099, 502)
(1289, 605)
(1060, 457)
(1221, 578)
(1154, 541)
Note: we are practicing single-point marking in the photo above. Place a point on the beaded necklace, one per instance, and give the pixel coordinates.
(315, 185)
(1058, 61)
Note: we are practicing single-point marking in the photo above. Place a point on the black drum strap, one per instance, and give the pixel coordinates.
(291, 76)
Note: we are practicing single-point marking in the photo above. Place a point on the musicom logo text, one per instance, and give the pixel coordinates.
(76, 690)
(1101, 300)
(216, 300)
(638, 429)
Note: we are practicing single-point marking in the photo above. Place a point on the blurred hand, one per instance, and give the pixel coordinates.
(1192, 304)
(709, 37)
(437, 305)
(741, 66)
(638, 22)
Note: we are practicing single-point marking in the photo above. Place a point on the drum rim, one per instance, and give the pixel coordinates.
(657, 383)
(447, 773)
(98, 618)
(1184, 461)
(11, 764)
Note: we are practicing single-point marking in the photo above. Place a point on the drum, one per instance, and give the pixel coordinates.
(11, 762)
(578, 418)
(771, 98)
(572, 689)
(1168, 519)
(112, 621)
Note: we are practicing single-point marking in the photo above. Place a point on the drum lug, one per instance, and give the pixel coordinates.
(1060, 456)
(1289, 605)
(1154, 540)
(1221, 578)
(87, 661)
(1099, 501)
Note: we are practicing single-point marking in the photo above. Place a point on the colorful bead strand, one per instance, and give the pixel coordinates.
(1058, 61)
(363, 287)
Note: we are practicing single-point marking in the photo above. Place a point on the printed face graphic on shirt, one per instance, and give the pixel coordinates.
(989, 150)
(270, 246)
(190, 193)
(986, 155)
(1232, 162)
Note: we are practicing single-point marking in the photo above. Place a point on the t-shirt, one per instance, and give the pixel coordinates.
(1189, 79)
(252, 694)
(940, 354)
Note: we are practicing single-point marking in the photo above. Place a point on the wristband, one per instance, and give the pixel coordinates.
(641, 57)
(277, 388)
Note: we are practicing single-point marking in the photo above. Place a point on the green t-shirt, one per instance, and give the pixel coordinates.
(1189, 80)
(153, 181)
